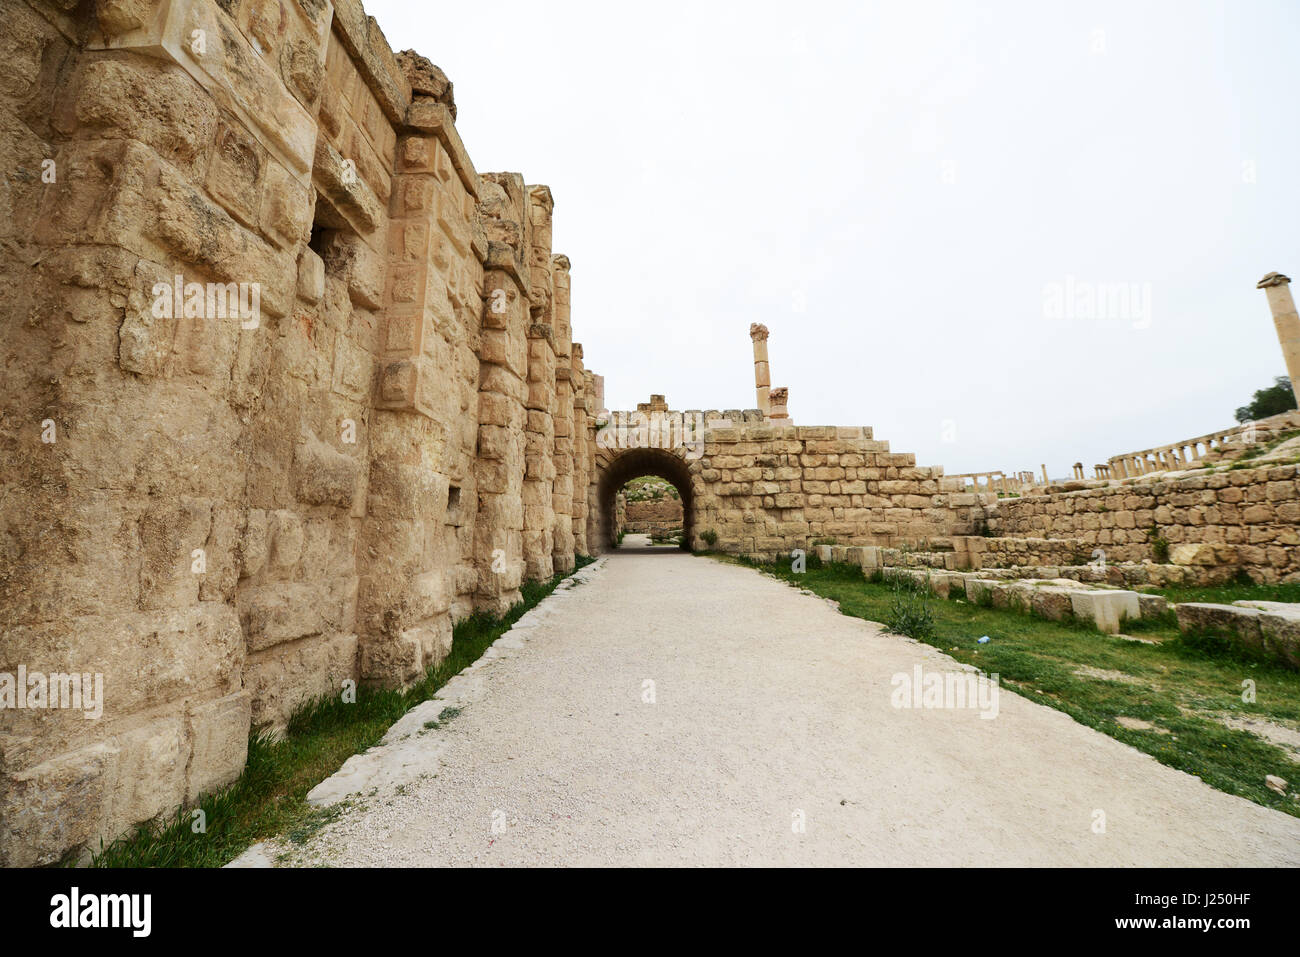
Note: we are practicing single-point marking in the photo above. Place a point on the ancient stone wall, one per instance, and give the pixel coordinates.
(764, 490)
(653, 517)
(289, 388)
(1247, 518)
(230, 505)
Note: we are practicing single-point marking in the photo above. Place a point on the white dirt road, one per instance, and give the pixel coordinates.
(769, 709)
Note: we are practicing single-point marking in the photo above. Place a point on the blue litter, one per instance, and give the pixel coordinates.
(984, 640)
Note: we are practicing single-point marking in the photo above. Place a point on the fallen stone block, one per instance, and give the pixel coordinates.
(1239, 625)
(1052, 602)
(1279, 627)
(1108, 609)
(980, 590)
(1152, 606)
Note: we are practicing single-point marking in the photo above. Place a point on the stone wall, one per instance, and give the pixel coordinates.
(1247, 518)
(227, 514)
(657, 517)
(290, 388)
(765, 490)
(768, 489)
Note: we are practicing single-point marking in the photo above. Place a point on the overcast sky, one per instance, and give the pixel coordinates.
(917, 198)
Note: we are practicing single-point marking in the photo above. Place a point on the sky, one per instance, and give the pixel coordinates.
(1001, 234)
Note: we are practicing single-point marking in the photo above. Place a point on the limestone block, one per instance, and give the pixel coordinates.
(199, 232)
(942, 583)
(282, 611)
(980, 590)
(150, 778)
(1106, 608)
(400, 490)
(236, 173)
(54, 806)
(1192, 554)
(255, 546)
(1152, 606)
(349, 258)
(219, 743)
(323, 475)
(286, 541)
(283, 677)
(1279, 626)
(147, 658)
(1051, 602)
(156, 104)
(311, 276)
(433, 639)
(1237, 623)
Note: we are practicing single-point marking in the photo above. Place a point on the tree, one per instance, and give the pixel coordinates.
(1274, 400)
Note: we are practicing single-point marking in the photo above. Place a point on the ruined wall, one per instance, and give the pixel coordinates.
(765, 490)
(229, 512)
(1247, 518)
(657, 517)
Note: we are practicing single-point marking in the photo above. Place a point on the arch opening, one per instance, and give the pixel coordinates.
(634, 463)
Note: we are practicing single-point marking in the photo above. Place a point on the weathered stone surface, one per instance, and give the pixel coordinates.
(241, 513)
(1108, 610)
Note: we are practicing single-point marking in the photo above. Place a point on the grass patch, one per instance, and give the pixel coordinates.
(1227, 594)
(1181, 687)
(270, 797)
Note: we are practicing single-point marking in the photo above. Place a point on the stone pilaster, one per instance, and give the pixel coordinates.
(563, 490)
(502, 410)
(539, 462)
(581, 453)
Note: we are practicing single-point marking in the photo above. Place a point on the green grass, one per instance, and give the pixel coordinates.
(1227, 594)
(270, 797)
(1180, 686)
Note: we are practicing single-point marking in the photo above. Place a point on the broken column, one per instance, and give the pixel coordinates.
(1275, 286)
(779, 399)
(762, 377)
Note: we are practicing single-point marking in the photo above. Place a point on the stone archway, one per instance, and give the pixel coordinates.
(615, 467)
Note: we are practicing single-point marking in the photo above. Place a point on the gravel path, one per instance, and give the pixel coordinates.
(769, 708)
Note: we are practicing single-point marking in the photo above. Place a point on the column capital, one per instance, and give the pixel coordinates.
(757, 331)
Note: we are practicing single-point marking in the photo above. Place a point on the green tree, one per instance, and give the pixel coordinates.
(1274, 400)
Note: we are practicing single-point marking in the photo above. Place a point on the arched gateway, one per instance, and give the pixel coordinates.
(615, 467)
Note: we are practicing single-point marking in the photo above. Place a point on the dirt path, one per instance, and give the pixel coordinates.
(769, 707)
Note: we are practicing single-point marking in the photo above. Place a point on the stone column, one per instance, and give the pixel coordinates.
(1275, 287)
(762, 377)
